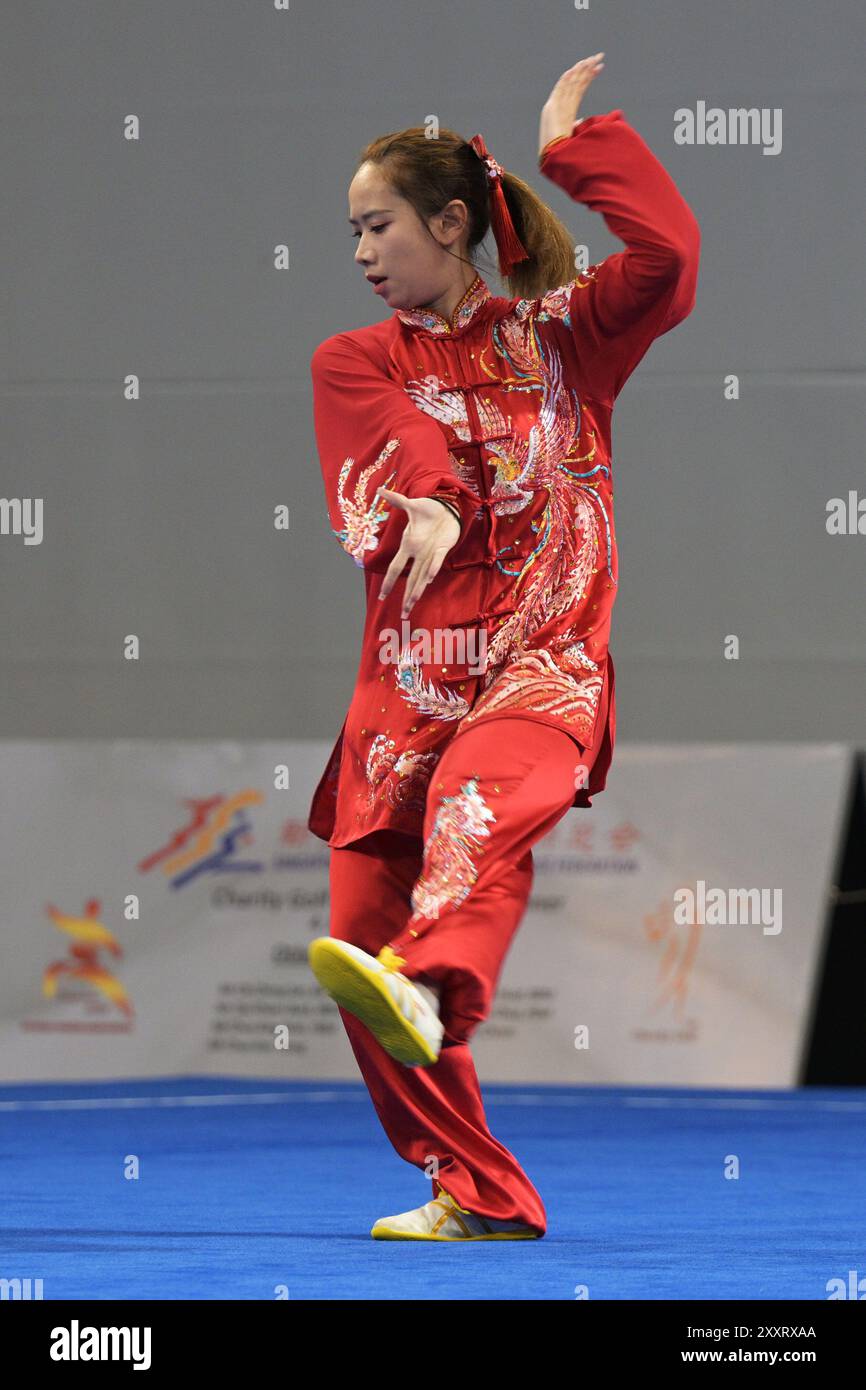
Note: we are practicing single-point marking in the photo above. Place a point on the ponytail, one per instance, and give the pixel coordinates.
(547, 240)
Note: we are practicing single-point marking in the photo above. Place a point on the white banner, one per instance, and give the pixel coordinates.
(158, 898)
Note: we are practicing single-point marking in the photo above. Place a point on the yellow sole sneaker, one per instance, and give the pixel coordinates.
(443, 1219)
(385, 1001)
(380, 1232)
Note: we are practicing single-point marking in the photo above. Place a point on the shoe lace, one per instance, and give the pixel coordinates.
(449, 1198)
(390, 959)
(452, 1208)
(391, 962)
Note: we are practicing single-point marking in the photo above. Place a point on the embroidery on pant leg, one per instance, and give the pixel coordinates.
(457, 839)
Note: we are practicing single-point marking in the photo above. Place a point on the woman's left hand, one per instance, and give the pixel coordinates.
(560, 110)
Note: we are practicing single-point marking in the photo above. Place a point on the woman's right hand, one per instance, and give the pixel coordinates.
(431, 530)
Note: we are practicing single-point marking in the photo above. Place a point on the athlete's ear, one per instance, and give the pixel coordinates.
(453, 220)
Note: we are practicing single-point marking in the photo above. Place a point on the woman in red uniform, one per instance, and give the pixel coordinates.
(465, 444)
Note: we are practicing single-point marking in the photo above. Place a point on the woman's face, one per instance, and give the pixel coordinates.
(418, 268)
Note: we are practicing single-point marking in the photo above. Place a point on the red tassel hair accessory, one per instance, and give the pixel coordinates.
(511, 249)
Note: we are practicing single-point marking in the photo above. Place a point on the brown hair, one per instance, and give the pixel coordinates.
(428, 173)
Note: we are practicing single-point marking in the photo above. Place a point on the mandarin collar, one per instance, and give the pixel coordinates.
(428, 321)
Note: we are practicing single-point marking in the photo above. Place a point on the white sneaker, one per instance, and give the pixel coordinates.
(443, 1219)
(402, 1016)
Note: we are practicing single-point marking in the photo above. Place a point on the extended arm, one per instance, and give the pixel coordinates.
(620, 305)
(370, 434)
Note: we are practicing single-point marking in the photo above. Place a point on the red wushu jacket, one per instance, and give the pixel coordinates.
(506, 409)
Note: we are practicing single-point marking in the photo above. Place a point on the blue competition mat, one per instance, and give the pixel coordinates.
(245, 1187)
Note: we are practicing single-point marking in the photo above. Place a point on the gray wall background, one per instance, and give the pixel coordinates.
(156, 257)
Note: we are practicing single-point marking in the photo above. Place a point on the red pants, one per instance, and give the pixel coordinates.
(449, 906)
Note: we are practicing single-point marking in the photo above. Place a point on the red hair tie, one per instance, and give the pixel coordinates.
(510, 248)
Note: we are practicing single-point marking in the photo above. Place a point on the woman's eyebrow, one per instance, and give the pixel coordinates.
(364, 215)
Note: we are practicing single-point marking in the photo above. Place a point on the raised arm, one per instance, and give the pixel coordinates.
(619, 306)
(622, 304)
(370, 434)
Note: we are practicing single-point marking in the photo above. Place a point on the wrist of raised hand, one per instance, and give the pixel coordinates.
(555, 139)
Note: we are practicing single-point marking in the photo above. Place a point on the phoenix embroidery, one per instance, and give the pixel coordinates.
(450, 871)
